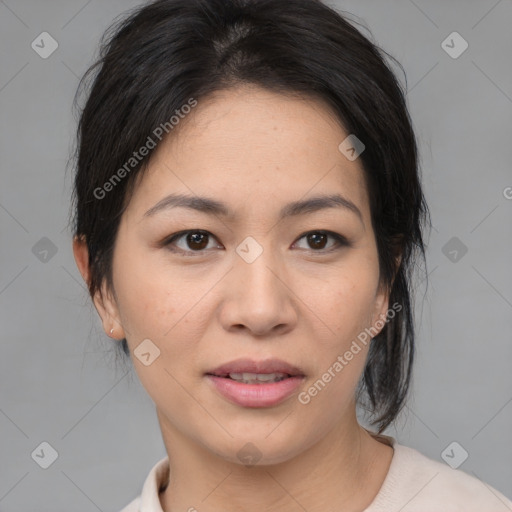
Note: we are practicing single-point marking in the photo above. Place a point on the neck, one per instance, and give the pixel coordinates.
(345, 469)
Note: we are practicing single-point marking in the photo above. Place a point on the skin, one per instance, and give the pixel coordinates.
(256, 151)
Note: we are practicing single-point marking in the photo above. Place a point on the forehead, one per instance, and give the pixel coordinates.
(248, 145)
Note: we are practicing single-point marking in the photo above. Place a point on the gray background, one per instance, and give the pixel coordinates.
(58, 380)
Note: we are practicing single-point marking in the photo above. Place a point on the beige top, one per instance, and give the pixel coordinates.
(414, 483)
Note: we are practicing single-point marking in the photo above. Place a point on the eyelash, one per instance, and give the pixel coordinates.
(341, 241)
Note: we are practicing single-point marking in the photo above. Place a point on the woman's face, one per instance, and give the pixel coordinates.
(251, 284)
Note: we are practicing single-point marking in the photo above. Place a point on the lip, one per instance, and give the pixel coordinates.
(255, 395)
(252, 366)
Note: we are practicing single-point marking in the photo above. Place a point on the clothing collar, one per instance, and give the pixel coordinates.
(158, 477)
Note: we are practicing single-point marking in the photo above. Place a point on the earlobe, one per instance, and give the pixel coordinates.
(107, 309)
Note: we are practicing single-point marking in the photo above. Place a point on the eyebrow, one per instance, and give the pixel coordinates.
(213, 207)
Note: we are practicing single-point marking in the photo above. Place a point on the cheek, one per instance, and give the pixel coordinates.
(146, 298)
(343, 349)
(345, 302)
(160, 303)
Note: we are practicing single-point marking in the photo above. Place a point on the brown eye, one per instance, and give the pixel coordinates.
(189, 242)
(197, 241)
(318, 241)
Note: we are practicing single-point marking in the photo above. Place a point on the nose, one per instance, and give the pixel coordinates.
(258, 297)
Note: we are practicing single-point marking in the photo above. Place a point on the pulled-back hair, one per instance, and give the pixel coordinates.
(159, 56)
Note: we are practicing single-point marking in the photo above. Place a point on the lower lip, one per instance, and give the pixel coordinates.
(256, 395)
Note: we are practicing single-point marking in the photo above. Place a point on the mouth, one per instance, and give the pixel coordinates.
(249, 383)
(257, 371)
(254, 378)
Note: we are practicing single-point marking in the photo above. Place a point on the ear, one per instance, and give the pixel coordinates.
(81, 254)
(104, 302)
(380, 309)
(382, 300)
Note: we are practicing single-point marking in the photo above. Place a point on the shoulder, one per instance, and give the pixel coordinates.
(148, 500)
(133, 506)
(416, 483)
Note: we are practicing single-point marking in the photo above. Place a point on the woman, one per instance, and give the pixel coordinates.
(248, 214)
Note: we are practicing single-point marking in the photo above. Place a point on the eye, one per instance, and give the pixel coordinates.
(318, 240)
(194, 241)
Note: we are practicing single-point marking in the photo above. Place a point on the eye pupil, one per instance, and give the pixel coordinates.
(316, 239)
(197, 238)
